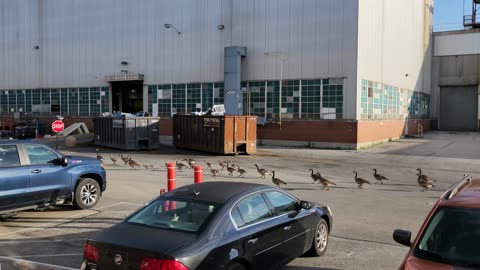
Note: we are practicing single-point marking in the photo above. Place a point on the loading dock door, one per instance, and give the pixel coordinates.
(458, 108)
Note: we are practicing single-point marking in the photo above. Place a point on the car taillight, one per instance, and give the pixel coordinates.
(161, 264)
(91, 253)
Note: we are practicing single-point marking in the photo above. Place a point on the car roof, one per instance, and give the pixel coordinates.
(215, 192)
(464, 194)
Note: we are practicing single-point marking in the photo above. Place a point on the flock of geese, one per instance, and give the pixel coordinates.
(425, 181)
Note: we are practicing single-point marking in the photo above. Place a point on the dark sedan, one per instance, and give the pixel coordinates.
(214, 225)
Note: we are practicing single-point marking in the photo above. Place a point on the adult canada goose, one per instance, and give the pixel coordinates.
(179, 165)
(360, 181)
(98, 156)
(125, 159)
(214, 172)
(424, 177)
(315, 177)
(114, 160)
(241, 172)
(191, 162)
(133, 164)
(146, 166)
(262, 171)
(379, 177)
(231, 170)
(223, 164)
(209, 164)
(424, 184)
(277, 181)
(325, 182)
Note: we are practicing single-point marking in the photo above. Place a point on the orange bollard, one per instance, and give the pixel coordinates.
(171, 176)
(198, 174)
(171, 181)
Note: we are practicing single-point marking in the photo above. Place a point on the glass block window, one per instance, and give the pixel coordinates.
(28, 100)
(73, 101)
(55, 100)
(152, 89)
(95, 101)
(104, 97)
(4, 101)
(382, 101)
(194, 99)
(164, 96)
(311, 99)
(178, 98)
(64, 101)
(84, 99)
(254, 98)
(332, 99)
(12, 101)
(21, 101)
(207, 96)
(273, 99)
(218, 93)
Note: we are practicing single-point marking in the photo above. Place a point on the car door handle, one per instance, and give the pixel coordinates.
(252, 241)
(287, 228)
(36, 171)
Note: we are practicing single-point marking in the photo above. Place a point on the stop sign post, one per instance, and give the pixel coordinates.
(57, 126)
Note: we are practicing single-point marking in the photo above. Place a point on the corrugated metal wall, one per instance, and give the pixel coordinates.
(81, 41)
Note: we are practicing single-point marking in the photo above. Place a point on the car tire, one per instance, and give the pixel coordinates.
(320, 239)
(87, 193)
(235, 266)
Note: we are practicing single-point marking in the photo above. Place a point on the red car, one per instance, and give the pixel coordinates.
(450, 236)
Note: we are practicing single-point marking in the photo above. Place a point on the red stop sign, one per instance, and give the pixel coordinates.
(57, 126)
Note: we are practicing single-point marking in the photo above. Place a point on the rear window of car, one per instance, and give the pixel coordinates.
(9, 156)
(452, 236)
(175, 214)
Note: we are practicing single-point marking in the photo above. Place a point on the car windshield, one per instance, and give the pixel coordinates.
(452, 236)
(182, 215)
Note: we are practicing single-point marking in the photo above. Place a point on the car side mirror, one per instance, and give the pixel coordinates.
(304, 205)
(403, 237)
(64, 161)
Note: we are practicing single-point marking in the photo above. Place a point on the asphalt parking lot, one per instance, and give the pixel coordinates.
(363, 219)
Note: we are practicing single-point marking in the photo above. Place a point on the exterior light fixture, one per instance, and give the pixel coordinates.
(168, 26)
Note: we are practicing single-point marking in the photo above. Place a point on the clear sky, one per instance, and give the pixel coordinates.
(449, 14)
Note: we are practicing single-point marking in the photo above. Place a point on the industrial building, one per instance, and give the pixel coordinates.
(317, 73)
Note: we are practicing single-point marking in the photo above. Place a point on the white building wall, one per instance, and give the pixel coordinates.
(82, 41)
(457, 43)
(394, 39)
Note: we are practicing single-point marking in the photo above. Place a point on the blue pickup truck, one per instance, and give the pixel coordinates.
(33, 176)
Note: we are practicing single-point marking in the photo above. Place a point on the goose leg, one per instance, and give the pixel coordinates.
(323, 188)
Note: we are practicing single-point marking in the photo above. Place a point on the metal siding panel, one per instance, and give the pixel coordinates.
(458, 108)
(457, 44)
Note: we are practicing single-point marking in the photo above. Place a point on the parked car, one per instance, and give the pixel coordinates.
(34, 175)
(213, 225)
(449, 237)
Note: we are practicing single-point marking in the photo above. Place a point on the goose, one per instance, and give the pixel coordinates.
(179, 165)
(125, 159)
(214, 172)
(325, 182)
(424, 184)
(132, 163)
(98, 156)
(231, 170)
(146, 166)
(223, 164)
(360, 181)
(262, 172)
(114, 160)
(241, 172)
(150, 166)
(277, 181)
(191, 162)
(379, 177)
(315, 177)
(209, 164)
(424, 177)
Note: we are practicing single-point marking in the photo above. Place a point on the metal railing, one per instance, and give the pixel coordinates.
(7, 263)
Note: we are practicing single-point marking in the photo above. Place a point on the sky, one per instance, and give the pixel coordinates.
(448, 14)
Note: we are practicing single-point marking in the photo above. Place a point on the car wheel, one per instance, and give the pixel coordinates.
(235, 266)
(87, 194)
(320, 239)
